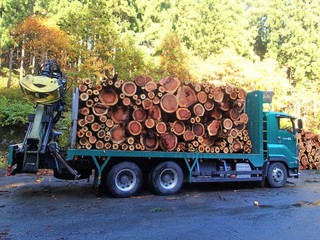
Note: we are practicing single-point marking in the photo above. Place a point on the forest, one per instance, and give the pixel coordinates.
(254, 44)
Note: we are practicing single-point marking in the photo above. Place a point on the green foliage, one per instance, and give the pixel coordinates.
(14, 107)
(3, 160)
(288, 32)
(173, 58)
(230, 68)
(306, 106)
(129, 59)
(14, 112)
(41, 38)
(64, 126)
(255, 44)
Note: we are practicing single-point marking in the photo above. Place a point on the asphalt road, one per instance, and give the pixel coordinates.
(42, 207)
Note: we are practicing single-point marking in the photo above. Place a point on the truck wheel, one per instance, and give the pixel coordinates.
(277, 175)
(167, 178)
(124, 179)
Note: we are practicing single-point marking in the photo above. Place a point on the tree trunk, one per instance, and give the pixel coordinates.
(22, 61)
(33, 64)
(10, 67)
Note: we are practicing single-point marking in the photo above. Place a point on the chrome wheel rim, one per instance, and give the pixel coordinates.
(168, 178)
(278, 174)
(125, 180)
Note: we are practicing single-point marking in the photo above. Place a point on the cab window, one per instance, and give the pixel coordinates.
(285, 124)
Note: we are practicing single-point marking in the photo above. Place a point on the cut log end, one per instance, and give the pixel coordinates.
(147, 103)
(99, 109)
(227, 123)
(169, 103)
(120, 114)
(198, 129)
(155, 113)
(117, 134)
(84, 111)
(129, 88)
(149, 123)
(161, 127)
(83, 88)
(108, 96)
(202, 97)
(84, 97)
(218, 95)
(198, 110)
(168, 141)
(126, 101)
(213, 127)
(170, 84)
(149, 141)
(135, 128)
(186, 96)
(178, 128)
(183, 114)
(139, 114)
(140, 80)
(188, 135)
(208, 105)
(150, 86)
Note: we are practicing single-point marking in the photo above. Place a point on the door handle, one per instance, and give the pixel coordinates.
(279, 139)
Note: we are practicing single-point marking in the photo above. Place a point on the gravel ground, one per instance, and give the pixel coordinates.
(42, 207)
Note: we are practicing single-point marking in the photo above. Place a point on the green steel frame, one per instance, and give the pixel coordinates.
(190, 159)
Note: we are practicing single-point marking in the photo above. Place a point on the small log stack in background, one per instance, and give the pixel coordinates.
(170, 115)
(309, 150)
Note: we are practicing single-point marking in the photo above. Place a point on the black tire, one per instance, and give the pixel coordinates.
(277, 175)
(167, 178)
(124, 179)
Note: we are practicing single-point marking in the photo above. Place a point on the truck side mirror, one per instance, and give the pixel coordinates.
(300, 124)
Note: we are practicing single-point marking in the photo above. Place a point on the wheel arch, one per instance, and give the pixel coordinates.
(277, 174)
(273, 159)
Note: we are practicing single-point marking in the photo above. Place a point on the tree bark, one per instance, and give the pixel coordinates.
(10, 68)
(22, 61)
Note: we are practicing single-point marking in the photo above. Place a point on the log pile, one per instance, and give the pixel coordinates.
(309, 150)
(170, 115)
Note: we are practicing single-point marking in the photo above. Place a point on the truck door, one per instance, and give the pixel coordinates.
(286, 134)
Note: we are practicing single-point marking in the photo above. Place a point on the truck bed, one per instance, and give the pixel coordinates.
(160, 154)
(191, 160)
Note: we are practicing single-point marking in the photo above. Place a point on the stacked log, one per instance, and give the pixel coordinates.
(309, 150)
(170, 115)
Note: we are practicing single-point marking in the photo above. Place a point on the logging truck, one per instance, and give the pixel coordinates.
(128, 133)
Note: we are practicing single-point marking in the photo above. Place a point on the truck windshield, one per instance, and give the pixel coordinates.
(286, 124)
